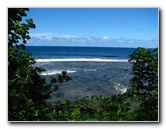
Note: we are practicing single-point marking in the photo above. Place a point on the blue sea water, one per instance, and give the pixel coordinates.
(52, 52)
(94, 70)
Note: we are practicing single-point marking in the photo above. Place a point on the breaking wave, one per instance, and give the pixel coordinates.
(81, 60)
(56, 72)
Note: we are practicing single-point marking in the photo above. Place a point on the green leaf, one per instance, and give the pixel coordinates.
(30, 101)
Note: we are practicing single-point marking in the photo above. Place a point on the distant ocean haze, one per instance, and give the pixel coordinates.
(94, 70)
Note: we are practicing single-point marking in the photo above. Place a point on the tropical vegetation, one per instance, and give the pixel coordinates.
(27, 90)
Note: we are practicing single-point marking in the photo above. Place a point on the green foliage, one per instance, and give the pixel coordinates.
(144, 84)
(27, 90)
(18, 31)
(145, 69)
(94, 108)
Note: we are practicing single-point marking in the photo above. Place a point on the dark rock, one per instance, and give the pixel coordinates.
(56, 106)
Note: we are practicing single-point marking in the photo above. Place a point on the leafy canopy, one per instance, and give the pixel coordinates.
(27, 90)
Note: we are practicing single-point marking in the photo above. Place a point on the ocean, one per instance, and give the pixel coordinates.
(94, 70)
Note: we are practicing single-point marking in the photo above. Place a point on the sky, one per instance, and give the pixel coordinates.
(95, 27)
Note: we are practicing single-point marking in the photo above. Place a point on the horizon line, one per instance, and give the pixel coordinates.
(87, 46)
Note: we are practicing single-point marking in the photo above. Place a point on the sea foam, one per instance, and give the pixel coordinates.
(81, 60)
(56, 72)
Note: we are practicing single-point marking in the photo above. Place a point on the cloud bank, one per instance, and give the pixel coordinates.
(50, 39)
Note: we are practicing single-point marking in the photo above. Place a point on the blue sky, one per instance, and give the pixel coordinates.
(100, 27)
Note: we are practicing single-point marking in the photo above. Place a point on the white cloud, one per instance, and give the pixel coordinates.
(49, 36)
(50, 39)
(41, 34)
(105, 37)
